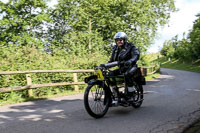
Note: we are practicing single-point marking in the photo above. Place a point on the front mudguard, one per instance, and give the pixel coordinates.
(92, 77)
(96, 82)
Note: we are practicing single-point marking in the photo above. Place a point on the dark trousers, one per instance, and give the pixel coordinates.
(128, 74)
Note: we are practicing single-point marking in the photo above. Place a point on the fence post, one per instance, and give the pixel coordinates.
(29, 82)
(75, 80)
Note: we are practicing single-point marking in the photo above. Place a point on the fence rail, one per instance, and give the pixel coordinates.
(152, 69)
(44, 71)
(30, 86)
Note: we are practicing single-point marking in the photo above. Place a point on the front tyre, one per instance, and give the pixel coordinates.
(96, 101)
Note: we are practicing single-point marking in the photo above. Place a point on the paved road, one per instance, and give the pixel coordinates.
(171, 103)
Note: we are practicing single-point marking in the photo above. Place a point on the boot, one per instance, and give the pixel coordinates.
(131, 89)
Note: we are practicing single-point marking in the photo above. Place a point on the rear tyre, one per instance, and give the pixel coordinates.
(138, 96)
(96, 101)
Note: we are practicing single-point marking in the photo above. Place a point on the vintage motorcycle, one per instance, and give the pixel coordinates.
(99, 94)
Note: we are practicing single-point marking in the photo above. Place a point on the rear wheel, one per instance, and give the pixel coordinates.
(96, 101)
(138, 96)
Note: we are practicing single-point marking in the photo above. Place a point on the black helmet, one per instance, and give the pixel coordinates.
(121, 35)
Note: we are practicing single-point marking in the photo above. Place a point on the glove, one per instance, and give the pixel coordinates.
(121, 63)
(102, 65)
(127, 64)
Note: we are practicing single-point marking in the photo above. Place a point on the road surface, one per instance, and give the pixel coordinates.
(171, 103)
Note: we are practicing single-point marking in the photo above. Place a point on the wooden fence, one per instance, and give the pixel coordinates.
(152, 69)
(30, 86)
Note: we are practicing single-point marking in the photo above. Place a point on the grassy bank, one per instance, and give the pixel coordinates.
(180, 65)
(152, 76)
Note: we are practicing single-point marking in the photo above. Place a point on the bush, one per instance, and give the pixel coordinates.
(25, 58)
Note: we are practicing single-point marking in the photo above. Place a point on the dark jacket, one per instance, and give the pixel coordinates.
(129, 53)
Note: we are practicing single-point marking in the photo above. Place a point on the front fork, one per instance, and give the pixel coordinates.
(102, 84)
(108, 92)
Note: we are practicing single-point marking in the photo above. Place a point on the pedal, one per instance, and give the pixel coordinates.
(115, 103)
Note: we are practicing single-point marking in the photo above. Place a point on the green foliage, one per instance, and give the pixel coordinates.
(84, 42)
(183, 50)
(25, 58)
(188, 48)
(77, 24)
(194, 37)
(168, 49)
(12, 97)
(22, 22)
(180, 65)
(152, 76)
(151, 59)
(139, 19)
(152, 64)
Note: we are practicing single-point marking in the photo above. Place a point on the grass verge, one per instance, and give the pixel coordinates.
(152, 76)
(180, 65)
(194, 128)
(17, 99)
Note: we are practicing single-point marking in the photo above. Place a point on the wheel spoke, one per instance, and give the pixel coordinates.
(96, 100)
(138, 96)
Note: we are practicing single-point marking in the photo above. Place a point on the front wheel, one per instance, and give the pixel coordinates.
(138, 96)
(96, 101)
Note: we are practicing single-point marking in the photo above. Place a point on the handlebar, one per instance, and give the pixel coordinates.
(112, 64)
(109, 65)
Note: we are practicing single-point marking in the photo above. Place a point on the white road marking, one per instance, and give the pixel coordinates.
(196, 90)
(148, 92)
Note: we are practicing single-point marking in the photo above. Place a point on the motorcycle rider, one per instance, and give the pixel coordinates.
(127, 55)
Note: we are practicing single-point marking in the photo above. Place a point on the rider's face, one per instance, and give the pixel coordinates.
(119, 42)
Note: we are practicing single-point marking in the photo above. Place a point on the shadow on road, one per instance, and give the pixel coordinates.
(45, 110)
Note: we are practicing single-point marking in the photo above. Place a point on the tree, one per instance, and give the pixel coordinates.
(62, 19)
(182, 51)
(194, 37)
(23, 22)
(168, 49)
(103, 18)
